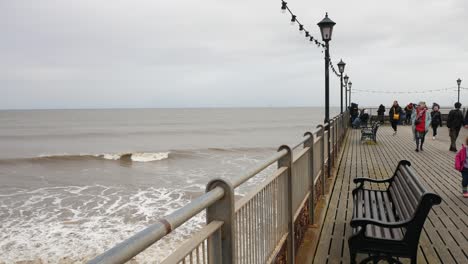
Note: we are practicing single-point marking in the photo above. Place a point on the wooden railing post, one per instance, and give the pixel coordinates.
(286, 161)
(221, 248)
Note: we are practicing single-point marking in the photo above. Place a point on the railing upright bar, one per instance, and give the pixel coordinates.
(286, 161)
(222, 210)
(322, 151)
(310, 144)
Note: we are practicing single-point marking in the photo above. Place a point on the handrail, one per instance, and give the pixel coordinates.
(237, 182)
(130, 247)
(193, 242)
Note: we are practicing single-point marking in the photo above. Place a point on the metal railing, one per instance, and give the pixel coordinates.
(260, 227)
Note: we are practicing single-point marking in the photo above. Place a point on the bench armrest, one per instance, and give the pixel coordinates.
(366, 221)
(363, 179)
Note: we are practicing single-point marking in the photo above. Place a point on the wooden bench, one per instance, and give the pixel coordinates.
(387, 223)
(370, 132)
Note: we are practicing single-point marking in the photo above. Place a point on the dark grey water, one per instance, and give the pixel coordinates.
(75, 182)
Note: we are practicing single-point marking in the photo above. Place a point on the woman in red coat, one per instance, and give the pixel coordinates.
(421, 121)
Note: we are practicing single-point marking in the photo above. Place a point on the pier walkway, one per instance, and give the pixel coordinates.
(445, 235)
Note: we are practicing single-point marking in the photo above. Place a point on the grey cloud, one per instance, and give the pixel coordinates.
(223, 53)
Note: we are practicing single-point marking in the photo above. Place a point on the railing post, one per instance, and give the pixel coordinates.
(286, 161)
(322, 152)
(221, 248)
(309, 143)
(331, 145)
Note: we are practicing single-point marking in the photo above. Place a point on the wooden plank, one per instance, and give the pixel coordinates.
(445, 235)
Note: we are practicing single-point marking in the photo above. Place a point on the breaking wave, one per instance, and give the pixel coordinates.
(135, 156)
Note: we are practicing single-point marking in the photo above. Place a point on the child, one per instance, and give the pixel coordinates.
(461, 164)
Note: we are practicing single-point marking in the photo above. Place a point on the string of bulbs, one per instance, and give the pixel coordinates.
(408, 92)
(295, 20)
(312, 39)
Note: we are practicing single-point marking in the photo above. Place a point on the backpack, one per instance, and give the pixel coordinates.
(460, 159)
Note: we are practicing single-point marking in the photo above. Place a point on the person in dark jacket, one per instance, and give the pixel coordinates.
(409, 111)
(454, 123)
(436, 120)
(380, 113)
(394, 115)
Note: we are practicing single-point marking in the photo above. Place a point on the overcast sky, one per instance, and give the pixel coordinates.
(185, 53)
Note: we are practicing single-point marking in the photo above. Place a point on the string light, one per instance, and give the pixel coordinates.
(294, 20)
(407, 92)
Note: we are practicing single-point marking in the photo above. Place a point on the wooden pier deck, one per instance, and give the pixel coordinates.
(445, 235)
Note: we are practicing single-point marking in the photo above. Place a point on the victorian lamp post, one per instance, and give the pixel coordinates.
(346, 78)
(349, 85)
(459, 82)
(326, 28)
(341, 66)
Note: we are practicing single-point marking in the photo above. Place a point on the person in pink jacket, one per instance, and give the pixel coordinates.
(461, 164)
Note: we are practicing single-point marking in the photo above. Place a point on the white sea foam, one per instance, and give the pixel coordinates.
(51, 225)
(110, 156)
(134, 156)
(146, 157)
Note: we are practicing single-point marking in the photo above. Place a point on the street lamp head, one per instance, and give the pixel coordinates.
(341, 66)
(350, 84)
(346, 78)
(326, 28)
(459, 81)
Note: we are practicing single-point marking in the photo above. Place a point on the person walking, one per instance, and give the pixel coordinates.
(454, 123)
(461, 165)
(394, 115)
(436, 118)
(420, 121)
(380, 113)
(409, 111)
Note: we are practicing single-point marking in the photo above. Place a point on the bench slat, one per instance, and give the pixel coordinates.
(383, 214)
(398, 201)
(408, 186)
(410, 203)
(369, 229)
(415, 189)
(396, 232)
(375, 214)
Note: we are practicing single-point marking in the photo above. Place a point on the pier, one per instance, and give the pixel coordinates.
(445, 235)
(300, 214)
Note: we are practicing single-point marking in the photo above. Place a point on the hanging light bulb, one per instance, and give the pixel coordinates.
(301, 28)
(293, 19)
(283, 7)
(311, 40)
(307, 34)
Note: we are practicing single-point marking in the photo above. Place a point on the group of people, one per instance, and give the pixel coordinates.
(418, 116)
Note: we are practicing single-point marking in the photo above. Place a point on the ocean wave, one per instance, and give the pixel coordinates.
(139, 156)
(128, 156)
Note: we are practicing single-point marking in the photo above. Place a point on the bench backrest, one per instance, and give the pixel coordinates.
(375, 127)
(411, 199)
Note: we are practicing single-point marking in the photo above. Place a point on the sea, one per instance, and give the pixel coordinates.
(73, 183)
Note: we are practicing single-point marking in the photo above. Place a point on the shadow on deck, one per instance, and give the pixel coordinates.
(445, 235)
